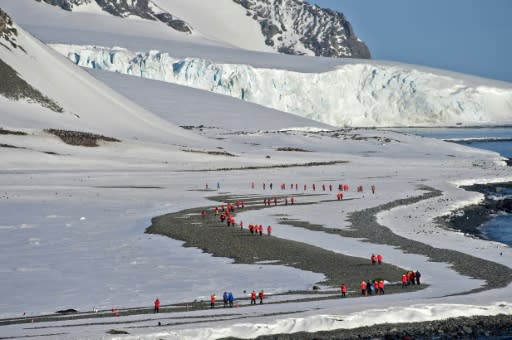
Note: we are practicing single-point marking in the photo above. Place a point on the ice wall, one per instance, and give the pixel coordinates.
(354, 94)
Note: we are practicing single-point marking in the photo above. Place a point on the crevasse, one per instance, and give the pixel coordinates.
(355, 94)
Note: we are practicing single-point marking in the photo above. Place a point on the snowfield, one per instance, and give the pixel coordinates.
(72, 218)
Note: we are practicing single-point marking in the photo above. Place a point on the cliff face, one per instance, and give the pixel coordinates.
(297, 27)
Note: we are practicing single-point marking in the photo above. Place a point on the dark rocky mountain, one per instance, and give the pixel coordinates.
(7, 32)
(296, 27)
(289, 26)
(124, 8)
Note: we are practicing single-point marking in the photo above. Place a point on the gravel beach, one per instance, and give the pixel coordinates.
(213, 237)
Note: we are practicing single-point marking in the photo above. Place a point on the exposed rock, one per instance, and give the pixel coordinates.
(124, 8)
(15, 88)
(322, 32)
(8, 33)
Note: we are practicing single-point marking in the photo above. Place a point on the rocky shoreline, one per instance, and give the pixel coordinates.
(477, 327)
(470, 219)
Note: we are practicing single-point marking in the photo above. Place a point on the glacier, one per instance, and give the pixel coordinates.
(362, 94)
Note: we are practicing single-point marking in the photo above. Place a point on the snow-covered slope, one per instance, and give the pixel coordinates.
(354, 94)
(291, 26)
(82, 101)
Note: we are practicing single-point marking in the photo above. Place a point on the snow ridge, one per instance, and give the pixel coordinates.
(354, 94)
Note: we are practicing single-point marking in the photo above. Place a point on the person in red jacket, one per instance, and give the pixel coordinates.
(261, 296)
(363, 287)
(157, 305)
(412, 278)
(269, 230)
(253, 297)
(381, 287)
(379, 259)
(376, 286)
(404, 280)
(373, 258)
(212, 300)
(343, 288)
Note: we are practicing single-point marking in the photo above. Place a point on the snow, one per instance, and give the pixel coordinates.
(72, 219)
(206, 20)
(351, 95)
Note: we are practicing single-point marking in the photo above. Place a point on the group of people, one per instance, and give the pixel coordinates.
(376, 259)
(375, 287)
(268, 201)
(260, 295)
(411, 278)
(228, 298)
(330, 187)
(257, 229)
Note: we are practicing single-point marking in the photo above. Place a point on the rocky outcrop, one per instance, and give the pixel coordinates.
(124, 8)
(8, 33)
(297, 27)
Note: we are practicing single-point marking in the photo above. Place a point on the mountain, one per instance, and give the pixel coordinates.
(289, 26)
(296, 27)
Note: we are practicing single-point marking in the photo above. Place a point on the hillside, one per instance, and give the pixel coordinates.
(290, 27)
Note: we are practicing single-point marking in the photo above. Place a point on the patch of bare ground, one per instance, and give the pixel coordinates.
(12, 132)
(293, 165)
(289, 149)
(79, 138)
(214, 153)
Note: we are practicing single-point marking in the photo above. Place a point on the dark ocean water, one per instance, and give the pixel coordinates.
(497, 139)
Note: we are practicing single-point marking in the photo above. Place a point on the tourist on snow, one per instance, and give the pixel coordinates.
(157, 305)
(379, 259)
(381, 287)
(212, 300)
(241, 225)
(253, 297)
(270, 185)
(376, 286)
(269, 230)
(373, 258)
(225, 299)
(260, 230)
(343, 288)
(231, 299)
(261, 296)
(412, 278)
(418, 275)
(373, 189)
(369, 287)
(363, 287)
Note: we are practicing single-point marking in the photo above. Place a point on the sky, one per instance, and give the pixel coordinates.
(469, 36)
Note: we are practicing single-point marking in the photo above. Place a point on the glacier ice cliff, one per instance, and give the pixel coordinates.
(352, 94)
